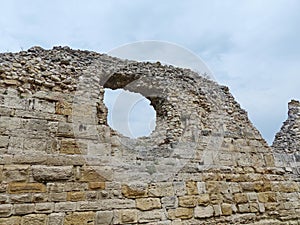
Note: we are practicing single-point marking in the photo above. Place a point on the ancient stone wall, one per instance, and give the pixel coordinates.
(287, 141)
(61, 163)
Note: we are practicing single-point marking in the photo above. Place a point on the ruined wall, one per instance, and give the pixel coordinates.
(61, 163)
(287, 141)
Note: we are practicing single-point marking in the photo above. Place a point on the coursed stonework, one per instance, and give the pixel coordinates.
(204, 163)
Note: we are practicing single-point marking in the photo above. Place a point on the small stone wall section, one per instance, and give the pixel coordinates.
(287, 141)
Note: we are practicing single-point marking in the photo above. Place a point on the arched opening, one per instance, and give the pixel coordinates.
(129, 113)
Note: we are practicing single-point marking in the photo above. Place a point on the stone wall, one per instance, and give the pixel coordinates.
(61, 163)
(287, 141)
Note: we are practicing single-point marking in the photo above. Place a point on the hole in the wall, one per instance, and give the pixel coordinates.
(129, 113)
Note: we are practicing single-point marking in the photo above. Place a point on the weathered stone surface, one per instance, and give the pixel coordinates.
(95, 173)
(45, 207)
(16, 173)
(56, 219)
(204, 212)
(75, 196)
(5, 210)
(126, 216)
(151, 216)
(63, 108)
(97, 185)
(22, 209)
(34, 219)
(267, 197)
(169, 202)
(192, 188)
(17, 188)
(65, 207)
(51, 173)
(135, 190)
(188, 201)
(240, 198)
(205, 163)
(70, 146)
(161, 189)
(203, 199)
(14, 220)
(104, 217)
(79, 218)
(226, 209)
(148, 203)
(182, 213)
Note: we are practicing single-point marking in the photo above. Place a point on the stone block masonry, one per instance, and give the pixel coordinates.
(204, 163)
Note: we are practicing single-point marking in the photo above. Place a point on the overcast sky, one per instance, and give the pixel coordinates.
(252, 46)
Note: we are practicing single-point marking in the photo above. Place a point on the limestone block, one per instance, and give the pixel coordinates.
(5, 210)
(188, 201)
(22, 209)
(169, 202)
(15, 173)
(262, 208)
(95, 173)
(97, 185)
(204, 212)
(244, 208)
(42, 106)
(91, 195)
(65, 206)
(20, 198)
(201, 187)
(4, 140)
(16, 188)
(39, 197)
(182, 213)
(71, 146)
(226, 209)
(34, 219)
(51, 173)
(267, 197)
(14, 220)
(3, 198)
(117, 204)
(74, 186)
(269, 159)
(58, 197)
(252, 196)
(217, 210)
(126, 216)
(65, 130)
(161, 189)
(148, 203)
(45, 207)
(262, 186)
(104, 217)
(79, 218)
(135, 190)
(240, 198)
(203, 199)
(56, 219)
(89, 206)
(151, 216)
(75, 196)
(289, 187)
(191, 187)
(63, 108)
(99, 149)
(179, 188)
(254, 207)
